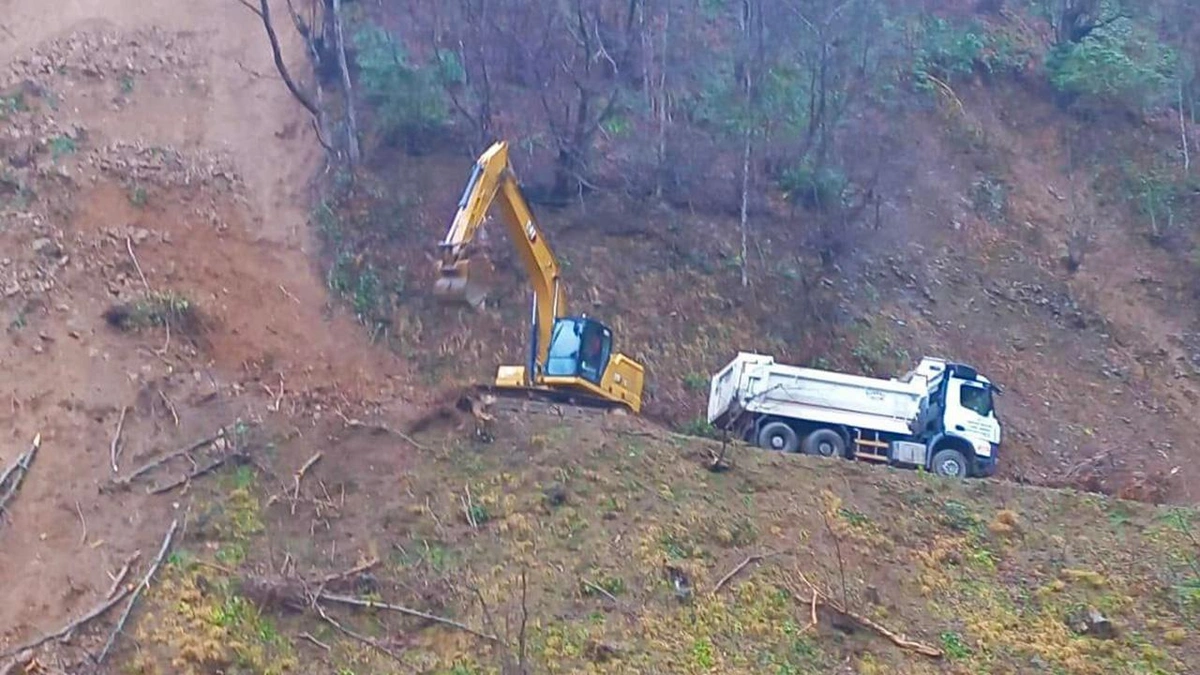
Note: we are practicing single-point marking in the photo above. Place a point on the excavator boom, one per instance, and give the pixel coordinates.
(465, 276)
(569, 356)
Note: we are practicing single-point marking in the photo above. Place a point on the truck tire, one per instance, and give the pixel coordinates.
(825, 443)
(778, 436)
(950, 463)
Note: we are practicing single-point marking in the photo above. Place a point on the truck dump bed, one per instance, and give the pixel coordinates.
(754, 383)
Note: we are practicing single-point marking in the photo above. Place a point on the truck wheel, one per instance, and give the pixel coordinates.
(826, 443)
(950, 463)
(778, 436)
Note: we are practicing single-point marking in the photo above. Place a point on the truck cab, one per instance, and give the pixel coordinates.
(959, 416)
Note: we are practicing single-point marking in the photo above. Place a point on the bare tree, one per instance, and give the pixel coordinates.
(595, 88)
(1075, 20)
(310, 100)
(347, 89)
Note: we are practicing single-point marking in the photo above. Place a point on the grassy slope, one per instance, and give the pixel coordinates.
(986, 571)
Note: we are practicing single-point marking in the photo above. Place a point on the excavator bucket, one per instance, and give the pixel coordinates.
(465, 281)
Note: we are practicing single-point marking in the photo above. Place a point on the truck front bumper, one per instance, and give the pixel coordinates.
(985, 467)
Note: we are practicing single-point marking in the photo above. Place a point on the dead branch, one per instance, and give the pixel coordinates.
(122, 482)
(136, 265)
(741, 566)
(841, 561)
(250, 7)
(308, 636)
(145, 583)
(370, 642)
(1183, 136)
(82, 522)
(206, 469)
(170, 406)
(114, 448)
(167, 340)
(17, 472)
(380, 429)
(95, 612)
(299, 476)
(823, 599)
(400, 609)
(120, 578)
(599, 590)
(947, 90)
(812, 622)
(357, 569)
(521, 635)
(469, 508)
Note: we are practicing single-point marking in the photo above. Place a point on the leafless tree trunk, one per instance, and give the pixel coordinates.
(747, 84)
(351, 116)
(314, 108)
(745, 203)
(472, 97)
(663, 102)
(1187, 157)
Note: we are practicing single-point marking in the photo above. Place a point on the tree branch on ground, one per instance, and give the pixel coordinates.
(822, 599)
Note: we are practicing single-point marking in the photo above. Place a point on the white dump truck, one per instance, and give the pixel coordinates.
(938, 417)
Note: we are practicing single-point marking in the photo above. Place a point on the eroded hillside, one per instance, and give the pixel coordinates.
(175, 286)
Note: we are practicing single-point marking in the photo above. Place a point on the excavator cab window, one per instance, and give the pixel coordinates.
(579, 347)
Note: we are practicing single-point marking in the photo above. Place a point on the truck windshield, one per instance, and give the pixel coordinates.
(976, 398)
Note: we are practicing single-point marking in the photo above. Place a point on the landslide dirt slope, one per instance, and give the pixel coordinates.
(153, 277)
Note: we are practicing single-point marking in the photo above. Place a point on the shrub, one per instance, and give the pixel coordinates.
(1119, 64)
(946, 52)
(820, 188)
(408, 98)
(1164, 199)
(989, 197)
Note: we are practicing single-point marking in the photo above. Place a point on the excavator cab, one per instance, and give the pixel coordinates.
(579, 347)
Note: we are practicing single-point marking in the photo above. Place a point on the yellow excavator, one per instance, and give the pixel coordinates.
(571, 358)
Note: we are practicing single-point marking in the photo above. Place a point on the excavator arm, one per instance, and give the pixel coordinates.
(493, 181)
(568, 354)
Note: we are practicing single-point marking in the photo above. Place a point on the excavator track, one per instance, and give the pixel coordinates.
(484, 400)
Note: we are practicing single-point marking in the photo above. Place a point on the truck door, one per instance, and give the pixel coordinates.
(969, 413)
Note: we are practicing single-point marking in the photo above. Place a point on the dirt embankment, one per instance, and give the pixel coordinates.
(154, 275)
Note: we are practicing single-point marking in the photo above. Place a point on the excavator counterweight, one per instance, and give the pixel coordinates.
(571, 358)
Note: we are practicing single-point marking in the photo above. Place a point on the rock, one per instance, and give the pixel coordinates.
(12, 289)
(46, 247)
(680, 582)
(1089, 621)
(600, 652)
(555, 495)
